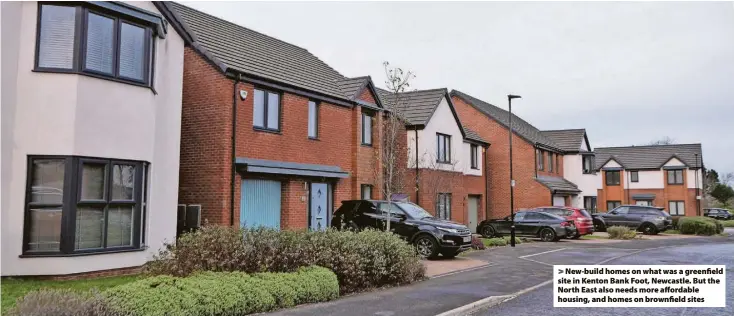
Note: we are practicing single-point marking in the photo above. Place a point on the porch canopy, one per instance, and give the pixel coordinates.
(290, 168)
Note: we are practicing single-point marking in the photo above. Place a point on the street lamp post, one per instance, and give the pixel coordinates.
(512, 181)
(698, 193)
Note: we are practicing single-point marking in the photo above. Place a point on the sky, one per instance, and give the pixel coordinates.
(628, 72)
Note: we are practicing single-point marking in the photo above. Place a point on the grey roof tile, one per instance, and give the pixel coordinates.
(350, 87)
(558, 184)
(649, 157)
(472, 135)
(259, 55)
(520, 126)
(567, 139)
(417, 107)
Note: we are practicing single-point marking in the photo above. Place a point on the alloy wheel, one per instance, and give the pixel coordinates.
(547, 235)
(488, 232)
(424, 247)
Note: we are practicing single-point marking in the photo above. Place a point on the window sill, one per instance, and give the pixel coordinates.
(443, 162)
(93, 75)
(473, 168)
(314, 138)
(366, 145)
(266, 130)
(80, 254)
(675, 183)
(612, 185)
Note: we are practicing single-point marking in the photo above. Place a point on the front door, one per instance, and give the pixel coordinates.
(559, 201)
(473, 209)
(319, 207)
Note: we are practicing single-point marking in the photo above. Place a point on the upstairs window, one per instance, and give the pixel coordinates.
(539, 158)
(550, 161)
(443, 148)
(634, 176)
(313, 119)
(612, 177)
(366, 129)
(588, 164)
(675, 176)
(474, 153)
(266, 111)
(90, 41)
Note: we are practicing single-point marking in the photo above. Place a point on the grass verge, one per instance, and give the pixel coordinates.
(12, 288)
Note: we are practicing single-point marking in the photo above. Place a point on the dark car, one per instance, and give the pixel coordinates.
(415, 225)
(718, 213)
(580, 217)
(546, 226)
(647, 219)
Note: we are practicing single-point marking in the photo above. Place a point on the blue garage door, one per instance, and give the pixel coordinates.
(260, 205)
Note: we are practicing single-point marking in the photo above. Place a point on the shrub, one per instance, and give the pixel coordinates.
(621, 232)
(517, 240)
(729, 223)
(476, 243)
(61, 302)
(700, 225)
(675, 222)
(223, 293)
(360, 260)
(495, 242)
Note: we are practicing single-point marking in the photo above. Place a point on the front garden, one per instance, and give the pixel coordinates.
(230, 271)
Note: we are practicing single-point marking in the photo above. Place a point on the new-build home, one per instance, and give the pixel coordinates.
(578, 165)
(668, 176)
(446, 160)
(271, 135)
(538, 161)
(91, 114)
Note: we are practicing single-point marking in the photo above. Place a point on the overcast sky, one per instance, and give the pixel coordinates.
(629, 73)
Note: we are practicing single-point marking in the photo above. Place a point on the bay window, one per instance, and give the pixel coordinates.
(81, 205)
(95, 41)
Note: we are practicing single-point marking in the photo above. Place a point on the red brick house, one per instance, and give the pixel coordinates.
(446, 160)
(669, 176)
(537, 160)
(271, 135)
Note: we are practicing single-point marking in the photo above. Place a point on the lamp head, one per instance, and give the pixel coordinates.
(512, 96)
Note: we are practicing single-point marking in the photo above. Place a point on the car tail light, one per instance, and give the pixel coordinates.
(565, 224)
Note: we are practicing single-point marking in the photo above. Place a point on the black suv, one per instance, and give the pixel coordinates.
(430, 235)
(647, 219)
(718, 213)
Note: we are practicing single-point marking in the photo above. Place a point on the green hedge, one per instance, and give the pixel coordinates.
(362, 260)
(621, 232)
(223, 293)
(700, 225)
(729, 223)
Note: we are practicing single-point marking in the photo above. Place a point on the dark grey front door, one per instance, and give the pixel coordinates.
(319, 206)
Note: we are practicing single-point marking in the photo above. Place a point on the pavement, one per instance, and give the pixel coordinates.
(442, 267)
(513, 270)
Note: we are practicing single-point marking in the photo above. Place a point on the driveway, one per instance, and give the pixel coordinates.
(510, 270)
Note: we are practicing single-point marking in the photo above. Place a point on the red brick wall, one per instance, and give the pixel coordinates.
(556, 172)
(528, 192)
(367, 96)
(205, 132)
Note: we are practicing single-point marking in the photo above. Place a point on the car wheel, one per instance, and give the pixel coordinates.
(353, 226)
(547, 234)
(426, 246)
(488, 231)
(599, 226)
(649, 229)
(449, 254)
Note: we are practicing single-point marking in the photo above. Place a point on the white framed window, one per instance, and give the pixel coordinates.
(677, 208)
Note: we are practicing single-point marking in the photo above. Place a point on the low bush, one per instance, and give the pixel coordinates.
(360, 260)
(495, 242)
(223, 293)
(700, 225)
(675, 221)
(729, 223)
(621, 232)
(62, 302)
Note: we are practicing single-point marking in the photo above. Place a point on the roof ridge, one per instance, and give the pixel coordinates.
(563, 130)
(661, 145)
(241, 26)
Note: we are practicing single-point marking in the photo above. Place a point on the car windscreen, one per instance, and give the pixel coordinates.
(413, 210)
(585, 213)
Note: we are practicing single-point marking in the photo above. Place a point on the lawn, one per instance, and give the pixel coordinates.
(12, 289)
(590, 237)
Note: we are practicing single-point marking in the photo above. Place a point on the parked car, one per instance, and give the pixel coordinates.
(581, 218)
(546, 226)
(431, 236)
(647, 219)
(718, 213)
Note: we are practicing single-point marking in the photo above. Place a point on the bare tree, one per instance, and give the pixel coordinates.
(727, 178)
(393, 151)
(438, 177)
(663, 141)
